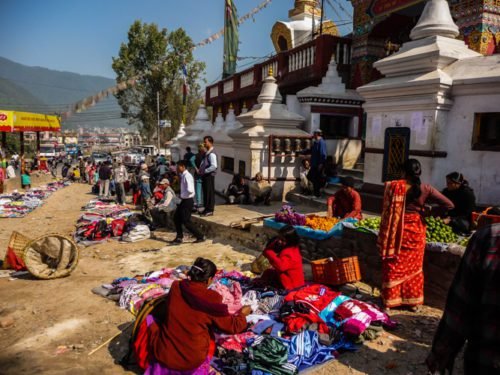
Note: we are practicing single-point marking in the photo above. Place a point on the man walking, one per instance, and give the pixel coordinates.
(182, 214)
(104, 177)
(208, 169)
(318, 158)
(121, 176)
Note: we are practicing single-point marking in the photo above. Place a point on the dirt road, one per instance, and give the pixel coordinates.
(58, 322)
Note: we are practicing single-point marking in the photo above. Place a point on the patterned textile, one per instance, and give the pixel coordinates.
(392, 222)
(231, 294)
(236, 342)
(156, 368)
(402, 276)
(268, 354)
(473, 307)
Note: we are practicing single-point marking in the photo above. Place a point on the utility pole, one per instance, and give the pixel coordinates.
(158, 115)
(322, 15)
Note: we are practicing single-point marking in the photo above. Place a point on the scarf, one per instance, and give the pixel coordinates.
(392, 224)
(196, 298)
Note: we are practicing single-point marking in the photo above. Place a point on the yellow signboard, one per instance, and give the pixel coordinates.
(13, 121)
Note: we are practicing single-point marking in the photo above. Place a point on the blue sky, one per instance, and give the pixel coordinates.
(82, 36)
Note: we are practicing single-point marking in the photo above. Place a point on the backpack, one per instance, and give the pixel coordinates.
(117, 227)
(139, 339)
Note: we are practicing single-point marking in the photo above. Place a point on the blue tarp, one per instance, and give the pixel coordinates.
(307, 232)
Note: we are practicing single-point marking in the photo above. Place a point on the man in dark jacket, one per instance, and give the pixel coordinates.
(104, 178)
(318, 159)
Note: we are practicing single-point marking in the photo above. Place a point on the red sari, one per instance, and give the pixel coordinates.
(402, 245)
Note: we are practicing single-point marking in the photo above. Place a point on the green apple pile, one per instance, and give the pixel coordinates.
(464, 242)
(370, 223)
(438, 231)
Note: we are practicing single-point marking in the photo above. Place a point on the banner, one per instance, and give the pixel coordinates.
(231, 39)
(13, 121)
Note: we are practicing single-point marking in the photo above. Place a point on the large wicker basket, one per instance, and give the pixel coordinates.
(337, 271)
(16, 245)
(51, 256)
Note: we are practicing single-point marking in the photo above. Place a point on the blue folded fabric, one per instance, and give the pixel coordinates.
(263, 325)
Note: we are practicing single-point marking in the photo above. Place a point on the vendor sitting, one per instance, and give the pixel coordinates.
(284, 256)
(458, 191)
(75, 175)
(260, 190)
(237, 191)
(163, 206)
(184, 342)
(345, 202)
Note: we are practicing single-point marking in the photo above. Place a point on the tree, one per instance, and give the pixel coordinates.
(156, 57)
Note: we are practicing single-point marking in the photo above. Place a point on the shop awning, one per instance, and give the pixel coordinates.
(13, 121)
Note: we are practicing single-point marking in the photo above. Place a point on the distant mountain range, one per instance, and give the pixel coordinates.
(41, 90)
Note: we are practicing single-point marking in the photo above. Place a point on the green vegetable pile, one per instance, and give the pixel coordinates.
(438, 231)
(370, 223)
(464, 242)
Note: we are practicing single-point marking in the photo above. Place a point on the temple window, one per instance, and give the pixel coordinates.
(227, 164)
(335, 126)
(486, 134)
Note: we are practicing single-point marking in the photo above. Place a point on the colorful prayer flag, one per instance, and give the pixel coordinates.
(231, 39)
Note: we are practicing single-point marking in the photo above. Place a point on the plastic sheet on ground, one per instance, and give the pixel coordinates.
(307, 232)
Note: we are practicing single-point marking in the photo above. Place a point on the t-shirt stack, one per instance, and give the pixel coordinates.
(287, 332)
(104, 219)
(17, 204)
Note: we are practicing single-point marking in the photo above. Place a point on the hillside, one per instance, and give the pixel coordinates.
(36, 89)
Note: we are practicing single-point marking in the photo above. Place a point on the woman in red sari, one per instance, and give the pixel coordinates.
(401, 239)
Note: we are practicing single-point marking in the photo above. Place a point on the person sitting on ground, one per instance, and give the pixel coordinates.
(2, 179)
(458, 191)
(10, 171)
(305, 184)
(260, 190)
(164, 206)
(346, 202)
(184, 342)
(65, 170)
(472, 310)
(75, 175)
(237, 191)
(331, 170)
(26, 179)
(284, 256)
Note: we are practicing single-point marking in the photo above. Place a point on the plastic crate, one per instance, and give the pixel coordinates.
(337, 271)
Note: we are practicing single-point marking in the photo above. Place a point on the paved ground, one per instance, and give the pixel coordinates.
(58, 323)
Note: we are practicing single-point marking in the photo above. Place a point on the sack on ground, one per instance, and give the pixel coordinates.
(138, 233)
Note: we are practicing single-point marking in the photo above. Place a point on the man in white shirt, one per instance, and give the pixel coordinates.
(11, 172)
(182, 214)
(121, 176)
(208, 169)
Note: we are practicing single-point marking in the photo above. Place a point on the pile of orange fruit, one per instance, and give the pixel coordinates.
(321, 223)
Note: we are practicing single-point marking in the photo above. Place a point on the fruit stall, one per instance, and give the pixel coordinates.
(308, 226)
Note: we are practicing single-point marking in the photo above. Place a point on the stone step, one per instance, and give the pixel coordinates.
(370, 202)
(356, 173)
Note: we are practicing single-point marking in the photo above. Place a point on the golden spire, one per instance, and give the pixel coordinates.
(231, 106)
(270, 71)
(220, 110)
(309, 7)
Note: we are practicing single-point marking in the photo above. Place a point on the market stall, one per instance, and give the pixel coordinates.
(305, 334)
(20, 122)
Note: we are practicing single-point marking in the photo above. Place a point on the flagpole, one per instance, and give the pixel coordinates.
(158, 115)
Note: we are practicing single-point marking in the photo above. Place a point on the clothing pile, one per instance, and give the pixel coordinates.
(103, 219)
(20, 204)
(287, 331)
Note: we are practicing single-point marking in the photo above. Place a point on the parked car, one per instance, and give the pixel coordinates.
(99, 157)
(133, 158)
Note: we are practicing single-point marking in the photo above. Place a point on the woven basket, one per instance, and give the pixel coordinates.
(337, 271)
(17, 243)
(51, 256)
